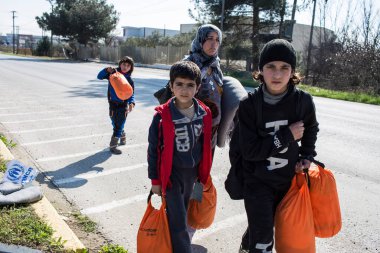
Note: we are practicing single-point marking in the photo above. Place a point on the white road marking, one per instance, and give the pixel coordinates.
(98, 174)
(66, 139)
(55, 128)
(47, 119)
(39, 112)
(114, 204)
(54, 158)
(220, 225)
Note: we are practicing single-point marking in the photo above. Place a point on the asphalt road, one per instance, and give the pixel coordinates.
(57, 112)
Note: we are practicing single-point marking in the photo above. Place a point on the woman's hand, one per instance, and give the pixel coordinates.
(156, 189)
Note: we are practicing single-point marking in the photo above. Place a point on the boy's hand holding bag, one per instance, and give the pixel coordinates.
(154, 234)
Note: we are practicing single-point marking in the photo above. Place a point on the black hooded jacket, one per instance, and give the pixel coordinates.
(268, 149)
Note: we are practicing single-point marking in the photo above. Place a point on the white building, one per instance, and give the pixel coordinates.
(143, 32)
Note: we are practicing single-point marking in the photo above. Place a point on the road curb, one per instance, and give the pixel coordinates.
(46, 211)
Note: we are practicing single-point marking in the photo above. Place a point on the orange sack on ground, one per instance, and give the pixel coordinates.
(294, 226)
(201, 215)
(121, 86)
(325, 202)
(154, 234)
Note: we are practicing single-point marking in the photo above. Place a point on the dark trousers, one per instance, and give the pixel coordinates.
(118, 114)
(260, 202)
(177, 200)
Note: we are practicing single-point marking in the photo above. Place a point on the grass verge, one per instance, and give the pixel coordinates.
(19, 225)
(246, 80)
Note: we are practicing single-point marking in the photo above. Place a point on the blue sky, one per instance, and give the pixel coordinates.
(167, 14)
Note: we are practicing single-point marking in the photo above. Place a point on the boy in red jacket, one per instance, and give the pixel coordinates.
(179, 151)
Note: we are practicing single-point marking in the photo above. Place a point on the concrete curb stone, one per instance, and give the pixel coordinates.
(45, 210)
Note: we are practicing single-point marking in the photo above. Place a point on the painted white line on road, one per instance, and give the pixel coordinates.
(220, 225)
(114, 204)
(98, 174)
(61, 118)
(54, 158)
(39, 112)
(66, 139)
(55, 128)
(48, 119)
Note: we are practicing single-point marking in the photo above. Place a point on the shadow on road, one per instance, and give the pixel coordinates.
(195, 248)
(69, 176)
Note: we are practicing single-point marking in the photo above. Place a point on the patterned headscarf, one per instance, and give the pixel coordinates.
(200, 58)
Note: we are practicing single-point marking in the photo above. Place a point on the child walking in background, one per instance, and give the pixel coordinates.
(179, 151)
(119, 108)
(272, 121)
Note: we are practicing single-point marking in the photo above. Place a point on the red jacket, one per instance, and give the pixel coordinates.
(165, 155)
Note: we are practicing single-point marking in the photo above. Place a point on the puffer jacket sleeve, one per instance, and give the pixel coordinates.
(131, 100)
(103, 74)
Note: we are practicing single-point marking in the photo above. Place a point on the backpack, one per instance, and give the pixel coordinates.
(234, 183)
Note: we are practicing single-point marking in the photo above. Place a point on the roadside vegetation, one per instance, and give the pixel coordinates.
(20, 225)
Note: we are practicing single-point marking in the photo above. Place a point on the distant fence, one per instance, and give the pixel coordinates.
(144, 55)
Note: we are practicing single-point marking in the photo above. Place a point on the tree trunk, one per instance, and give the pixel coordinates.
(255, 36)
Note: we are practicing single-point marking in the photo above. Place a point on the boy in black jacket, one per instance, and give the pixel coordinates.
(269, 131)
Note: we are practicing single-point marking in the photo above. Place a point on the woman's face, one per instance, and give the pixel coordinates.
(211, 45)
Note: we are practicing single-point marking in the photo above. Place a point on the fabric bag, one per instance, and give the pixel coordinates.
(163, 94)
(154, 234)
(234, 183)
(121, 85)
(201, 215)
(324, 201)
(294, 225)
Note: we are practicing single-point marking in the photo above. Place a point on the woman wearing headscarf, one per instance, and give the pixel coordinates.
(204, 53)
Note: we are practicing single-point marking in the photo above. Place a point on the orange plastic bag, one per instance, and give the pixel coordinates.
(294, 226)
(121, 86)
(325, 202)
(200, 215)
(154, 234)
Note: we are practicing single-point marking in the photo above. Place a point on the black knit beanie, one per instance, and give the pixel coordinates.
(277, 50)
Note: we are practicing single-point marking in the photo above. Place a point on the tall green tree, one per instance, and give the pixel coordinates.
(81, 20)
(243, 20)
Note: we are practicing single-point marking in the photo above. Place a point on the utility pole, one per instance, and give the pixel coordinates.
(18, 37)
(294, 9)
(13, 38)
(51, 31)
(310, 41)
(222, 16)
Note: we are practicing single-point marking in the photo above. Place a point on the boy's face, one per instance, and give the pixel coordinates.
(276, 76)
(211, 44)
(184, 90)
(125, 67)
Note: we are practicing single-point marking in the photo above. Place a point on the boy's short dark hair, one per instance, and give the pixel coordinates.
(129, 60)
(185, 69)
